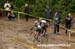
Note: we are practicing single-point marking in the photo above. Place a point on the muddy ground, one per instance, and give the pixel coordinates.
(17, 35)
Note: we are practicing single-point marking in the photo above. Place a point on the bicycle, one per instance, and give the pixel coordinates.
(44, 37)
(39, 36)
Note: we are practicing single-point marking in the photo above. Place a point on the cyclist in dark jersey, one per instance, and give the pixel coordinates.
(44, 25)
(37, 27)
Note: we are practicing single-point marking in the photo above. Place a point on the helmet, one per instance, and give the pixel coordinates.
(36, 21)
(43, 21)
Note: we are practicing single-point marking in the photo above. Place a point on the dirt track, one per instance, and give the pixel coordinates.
(16, 35)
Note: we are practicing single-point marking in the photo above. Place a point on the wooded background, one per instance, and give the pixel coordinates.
(37, 7)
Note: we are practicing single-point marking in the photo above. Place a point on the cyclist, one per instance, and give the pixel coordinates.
(40, 28)
(44, 25)
(37, 28)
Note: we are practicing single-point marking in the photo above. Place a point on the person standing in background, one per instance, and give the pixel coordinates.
(11, 16)
(27, 11)
(68, 22)
(7, 7)
(48, 14)
(56, 22)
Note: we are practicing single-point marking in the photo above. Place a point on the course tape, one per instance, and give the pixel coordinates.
(72, 31)
(21, 13)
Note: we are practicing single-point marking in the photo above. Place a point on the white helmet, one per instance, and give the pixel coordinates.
(36, 21)
(43, 21)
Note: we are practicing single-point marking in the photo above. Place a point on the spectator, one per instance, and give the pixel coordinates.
(7, 7)
(26, 11)
(68, 21)
(48, 14)
(11, 16)
(56, 22)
